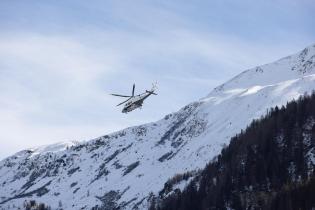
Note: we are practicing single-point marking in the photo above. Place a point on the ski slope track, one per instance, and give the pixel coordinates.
(123, 169)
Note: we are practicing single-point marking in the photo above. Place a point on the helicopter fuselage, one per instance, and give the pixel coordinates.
(135, 102)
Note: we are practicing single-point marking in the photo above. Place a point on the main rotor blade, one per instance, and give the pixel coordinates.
(133, 89)
(124, 101)
(120, 95)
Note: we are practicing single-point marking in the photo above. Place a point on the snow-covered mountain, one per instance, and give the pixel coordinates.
(123, 169)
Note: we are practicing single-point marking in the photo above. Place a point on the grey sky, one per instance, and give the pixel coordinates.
(60, 59)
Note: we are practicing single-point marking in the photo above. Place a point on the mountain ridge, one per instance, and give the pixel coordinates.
(123, 168)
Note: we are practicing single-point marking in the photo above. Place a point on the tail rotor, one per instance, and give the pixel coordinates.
(154, 88)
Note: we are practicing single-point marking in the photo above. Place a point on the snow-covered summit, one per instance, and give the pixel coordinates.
(125, 168)
(287, 68)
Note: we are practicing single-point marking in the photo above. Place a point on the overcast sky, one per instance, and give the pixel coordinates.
(59, 60)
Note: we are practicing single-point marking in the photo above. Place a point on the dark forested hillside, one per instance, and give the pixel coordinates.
(270, 165)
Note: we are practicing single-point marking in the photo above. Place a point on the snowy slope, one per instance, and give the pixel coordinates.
(123, 168)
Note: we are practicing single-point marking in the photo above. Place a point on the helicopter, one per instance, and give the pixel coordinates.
(135, 101)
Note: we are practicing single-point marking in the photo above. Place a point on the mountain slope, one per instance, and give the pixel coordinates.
(120, 170)
(268, 166)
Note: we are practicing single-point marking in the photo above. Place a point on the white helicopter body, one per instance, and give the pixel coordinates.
(135, 101)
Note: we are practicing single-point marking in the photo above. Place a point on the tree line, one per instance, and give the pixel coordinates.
(263, 167)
